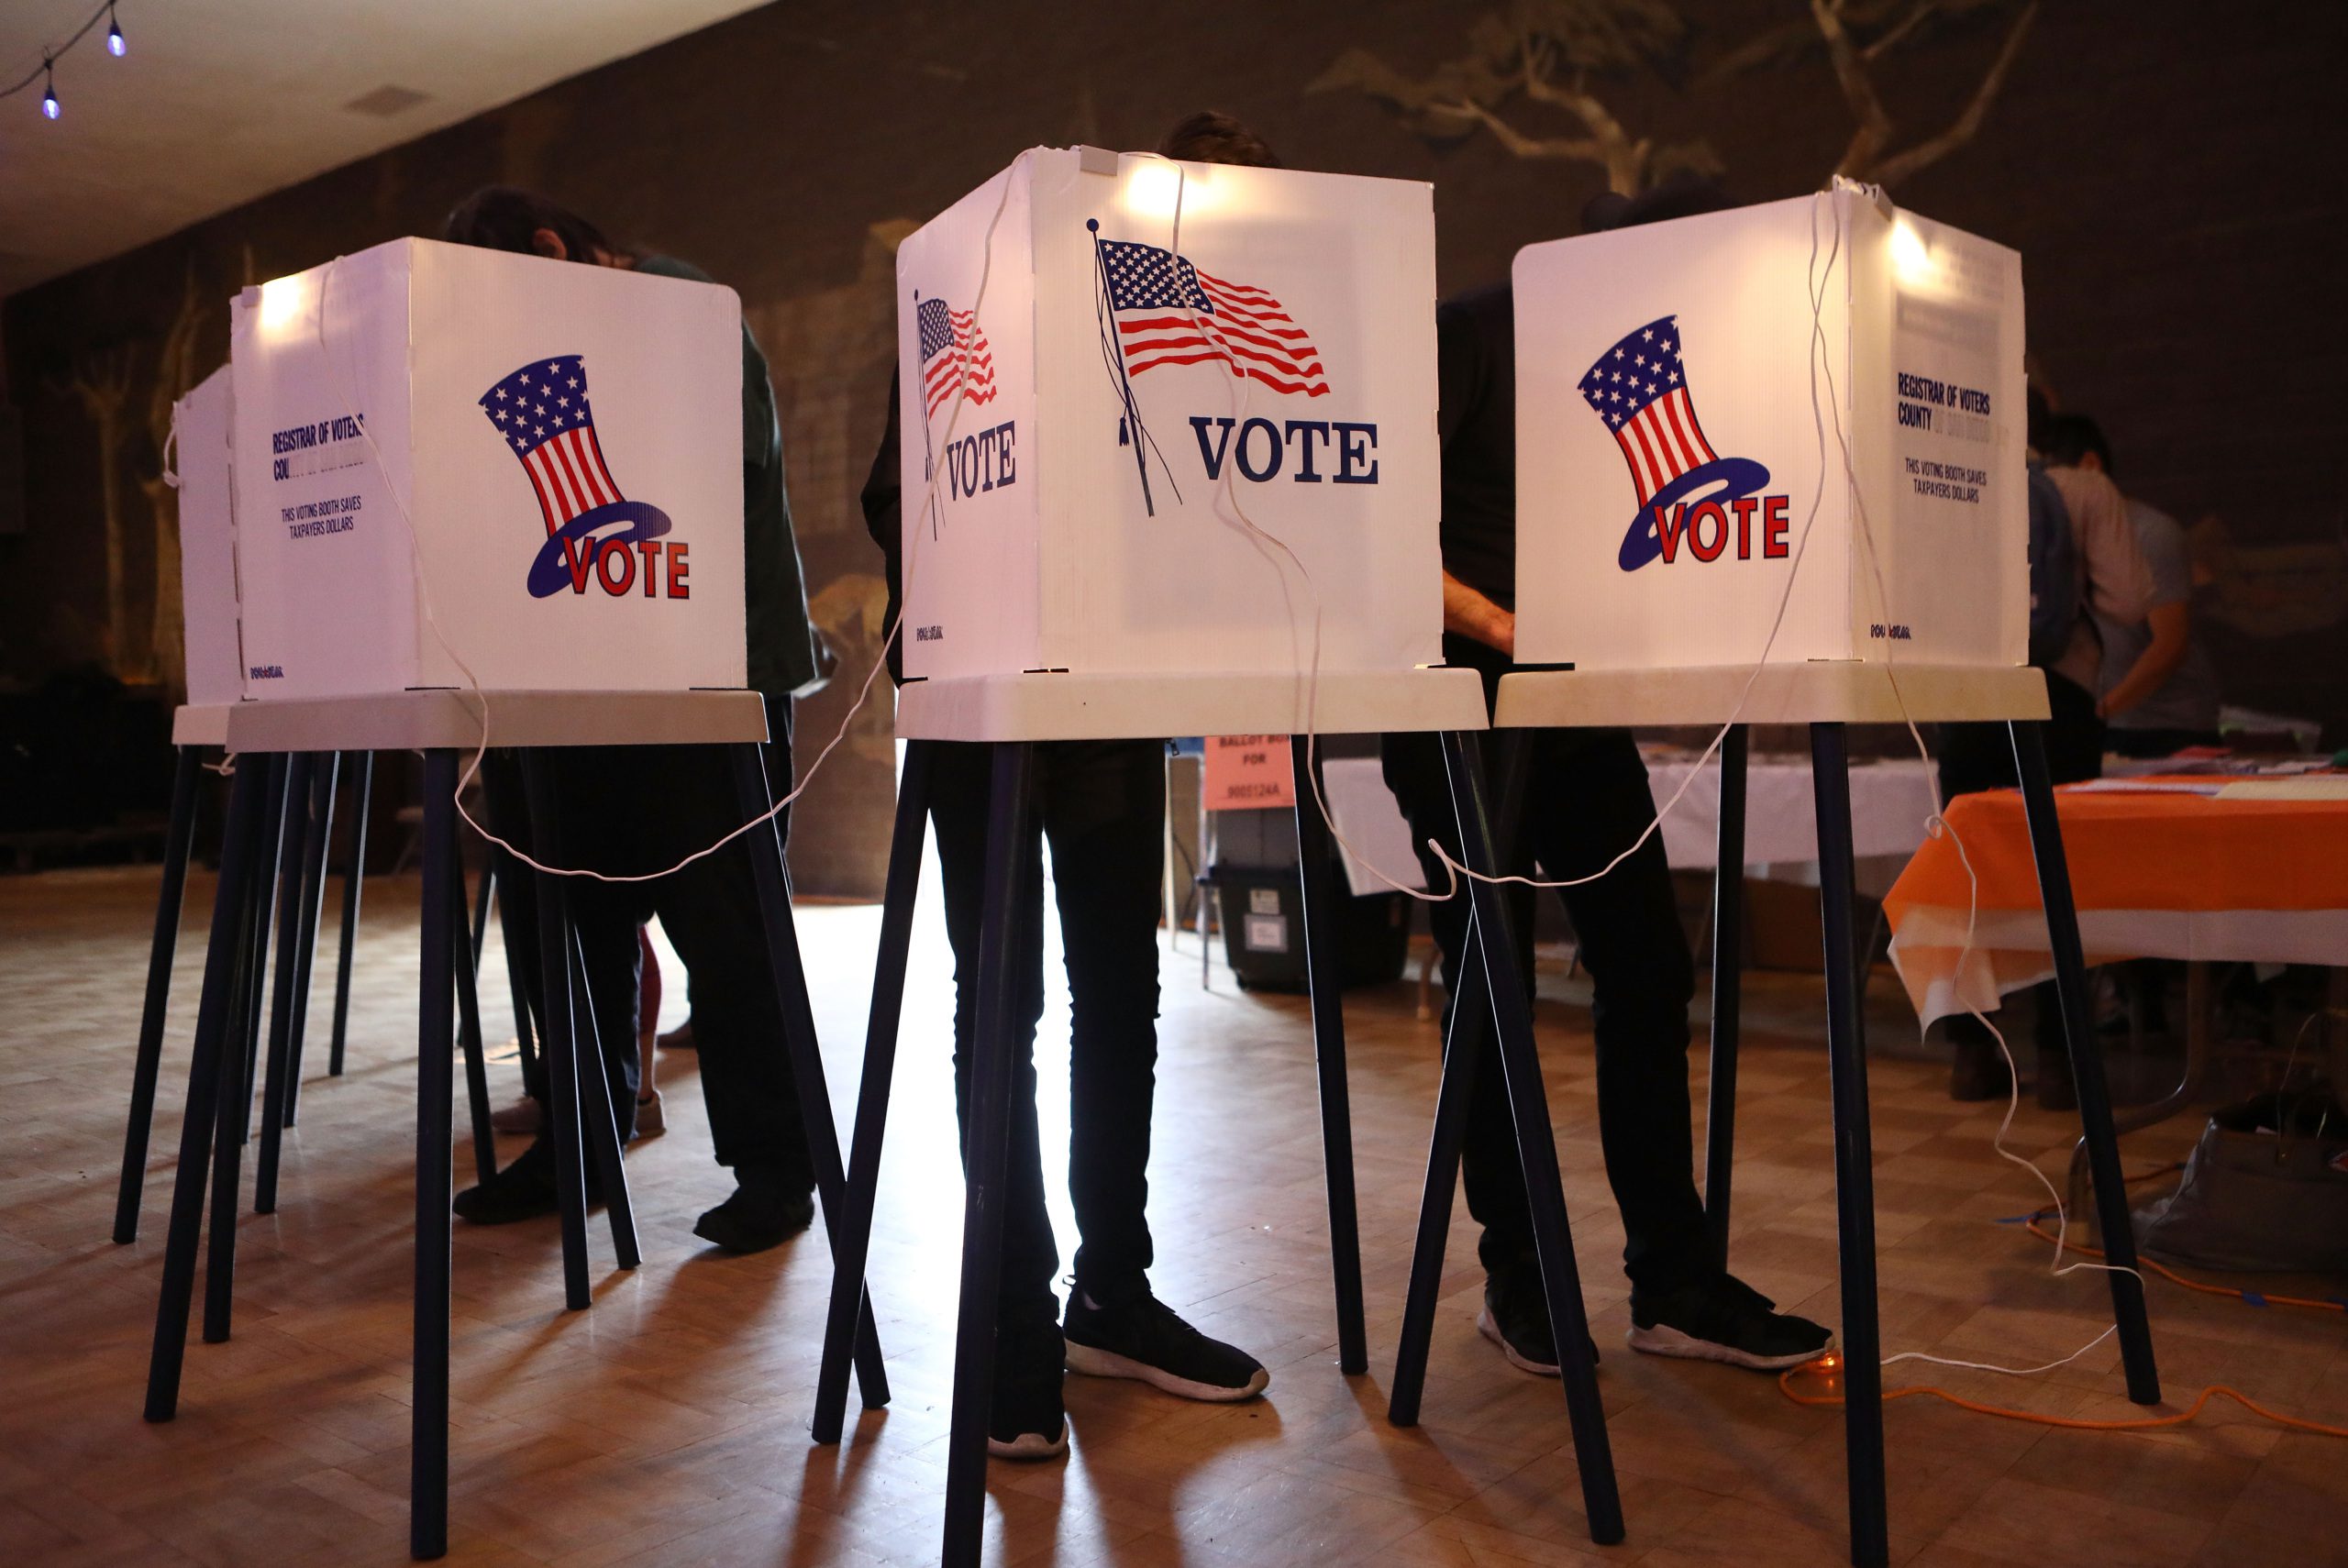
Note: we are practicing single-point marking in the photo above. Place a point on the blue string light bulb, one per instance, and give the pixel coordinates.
(49, 105)
(117, 45)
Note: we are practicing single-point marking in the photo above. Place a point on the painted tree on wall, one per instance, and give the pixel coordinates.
(101, 379)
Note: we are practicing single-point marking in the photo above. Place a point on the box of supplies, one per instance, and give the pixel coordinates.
(1683, 416)
(460, 466)
(1156, 414)
(202, 424)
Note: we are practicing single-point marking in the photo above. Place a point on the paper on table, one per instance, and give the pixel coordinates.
(2329, 787)
(2149, 786)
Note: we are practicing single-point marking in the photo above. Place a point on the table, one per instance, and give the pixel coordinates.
(1889, 800)
(1827, 697)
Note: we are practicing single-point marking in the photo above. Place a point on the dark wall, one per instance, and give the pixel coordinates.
(2170, 171)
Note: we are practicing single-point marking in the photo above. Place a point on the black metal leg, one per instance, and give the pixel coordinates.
(771, 872)
(149, 1064)
(353, 882)
(851, 1229)
(2087, 1065)
(468, 1039)
(264, 910)
(327, 773)
(1537, 1147)
(563, 1121)
(481, 900)
(598, 1117)
(525, 1039)
(1853, 1157)
(207, 1070)
(292, 857)
(1325, 982)
(1470, 1015)
(1728, 974)
(1009, 812)
(444, 895)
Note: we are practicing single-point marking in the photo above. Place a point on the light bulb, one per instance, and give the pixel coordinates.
(116, 46)
(48, 105)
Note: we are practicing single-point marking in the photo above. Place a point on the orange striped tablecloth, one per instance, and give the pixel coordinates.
(2154, 876)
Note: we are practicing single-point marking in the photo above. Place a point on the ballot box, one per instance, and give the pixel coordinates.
(201, 425)
(1156, 415)
(1692, 396)
(458, 467)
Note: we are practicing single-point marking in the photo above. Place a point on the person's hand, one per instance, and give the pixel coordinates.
(1503, 632)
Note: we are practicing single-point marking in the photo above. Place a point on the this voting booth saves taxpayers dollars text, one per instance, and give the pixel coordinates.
(1094, 397)
(452, 460)
(1667, 454)
(202, 423)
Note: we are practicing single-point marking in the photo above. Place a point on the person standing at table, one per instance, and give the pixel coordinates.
(1103, 806)
(1586, 801)
(709, 909)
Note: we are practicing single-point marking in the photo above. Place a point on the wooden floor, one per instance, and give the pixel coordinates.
(667, 1424)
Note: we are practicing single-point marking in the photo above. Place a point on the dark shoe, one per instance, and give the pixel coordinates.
(1515, 1317)
(767, 1210)
(1978, 1070)
(1026, 1419)
(1724, 1320)
(523, 1190)
(1142, 1339)
(678, 1039)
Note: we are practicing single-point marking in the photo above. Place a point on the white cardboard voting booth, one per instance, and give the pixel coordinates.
(426, 486)
(1667, 454)
(1091, 401)
(202, 423)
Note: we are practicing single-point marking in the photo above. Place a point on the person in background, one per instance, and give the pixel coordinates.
(1103, 806)
(2158, 690)
(2079, 519)
(709, 909)
(1585, 799)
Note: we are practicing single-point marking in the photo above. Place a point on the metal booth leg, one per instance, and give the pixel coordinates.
(1325, 984)
(1464, 1044)
(561, 1040)
(598, 1117)
(353, 882)
(852, 1228)
(147, 1067)
(208, 1070)
(2087, 1065)
(327, 774)
(524, 1039)
(427, 1530)
(468, 1038)
(294, 864)
(263, 911)
(1010, 811)
(1854, 1159)
(1537, 1146)
(1728, 975)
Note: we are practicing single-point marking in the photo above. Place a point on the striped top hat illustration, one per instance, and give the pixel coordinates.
(542, 412)
(1639, 390)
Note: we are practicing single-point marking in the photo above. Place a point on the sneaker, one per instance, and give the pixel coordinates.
(1026, 1419)
(1142, 1339)
(1515, 1317)
(1724, 1320)
(766, 1210)
(651, 1122)
(523, 1190)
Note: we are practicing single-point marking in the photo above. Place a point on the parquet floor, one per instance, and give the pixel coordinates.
(667, 1425)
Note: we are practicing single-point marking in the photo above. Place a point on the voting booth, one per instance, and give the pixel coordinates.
(202, 426)
(1669, 442)
(1116, 369)
(460, 466)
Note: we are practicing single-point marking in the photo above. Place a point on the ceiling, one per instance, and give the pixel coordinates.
(220, 101)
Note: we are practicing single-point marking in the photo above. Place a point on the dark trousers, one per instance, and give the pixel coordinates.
(1586, 798)
(630, 810)
(1103, 806)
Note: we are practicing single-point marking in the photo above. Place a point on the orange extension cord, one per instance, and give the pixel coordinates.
(1829, 1364)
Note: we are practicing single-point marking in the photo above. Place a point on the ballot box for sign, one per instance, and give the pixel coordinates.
(459, 467)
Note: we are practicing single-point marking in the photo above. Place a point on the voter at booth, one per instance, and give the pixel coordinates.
(1587, 798)
(1102, 804)
(637, 809)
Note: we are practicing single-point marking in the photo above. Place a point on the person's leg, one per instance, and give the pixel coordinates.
(649, 1117)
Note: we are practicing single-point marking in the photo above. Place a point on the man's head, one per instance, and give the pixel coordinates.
(503, 217)
(1678, 198)
(1210, 137)
(2075, 441)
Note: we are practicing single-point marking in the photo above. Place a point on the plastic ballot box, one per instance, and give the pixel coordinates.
(201, 425)
(1156, 414)
(1682, 408)
(459, 467)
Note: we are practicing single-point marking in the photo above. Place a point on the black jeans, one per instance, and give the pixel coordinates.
(626, 811)
(1102, 805)
(1586, 798)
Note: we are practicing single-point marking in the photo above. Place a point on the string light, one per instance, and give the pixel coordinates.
(117, 45)
(45, 73)
(49, 105)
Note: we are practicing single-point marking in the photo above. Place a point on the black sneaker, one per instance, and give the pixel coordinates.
(1142, 1339)
(1725, 1320)
(523, 1190)
(767, 1210)
(1515, 1317)
(1025, 1417)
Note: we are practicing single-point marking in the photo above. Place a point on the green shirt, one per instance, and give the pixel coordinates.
(774, 590)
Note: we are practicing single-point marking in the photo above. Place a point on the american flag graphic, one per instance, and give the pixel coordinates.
(1169, 313)
(542, 412)
(1637, 387)
(954, 353)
